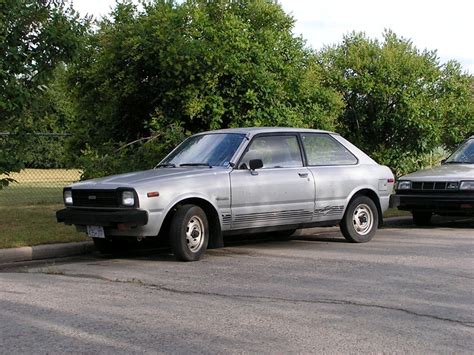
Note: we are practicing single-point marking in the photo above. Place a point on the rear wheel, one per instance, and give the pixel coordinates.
(189, 233)
(422, 218)
(360, 221)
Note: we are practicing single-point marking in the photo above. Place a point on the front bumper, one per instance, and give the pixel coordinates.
(452, 203)
(102, 218)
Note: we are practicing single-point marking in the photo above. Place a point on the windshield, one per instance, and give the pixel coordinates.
(214, 149)
(464, 154)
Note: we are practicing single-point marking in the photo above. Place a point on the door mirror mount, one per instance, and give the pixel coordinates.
(255, 164)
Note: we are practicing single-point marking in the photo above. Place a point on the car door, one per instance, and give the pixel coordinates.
(335, 171)
(279, 193)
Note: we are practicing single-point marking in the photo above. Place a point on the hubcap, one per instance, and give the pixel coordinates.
(194, 234)
(363, 219)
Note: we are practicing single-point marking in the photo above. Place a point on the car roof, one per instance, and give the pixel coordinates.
(258, 130)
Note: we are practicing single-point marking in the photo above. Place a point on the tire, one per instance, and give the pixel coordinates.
(109, 246)
(360, 222)
(189, 233)
(422, 218)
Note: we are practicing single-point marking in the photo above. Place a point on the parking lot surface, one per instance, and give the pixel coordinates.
(408, 290)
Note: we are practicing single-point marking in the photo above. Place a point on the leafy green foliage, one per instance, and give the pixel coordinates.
(400, 102)
(198, 64)
(35, 36)
(144, 153)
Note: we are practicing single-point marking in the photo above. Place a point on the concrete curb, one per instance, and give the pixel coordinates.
(47, 251)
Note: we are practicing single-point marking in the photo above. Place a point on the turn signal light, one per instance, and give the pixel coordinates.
(153, 194)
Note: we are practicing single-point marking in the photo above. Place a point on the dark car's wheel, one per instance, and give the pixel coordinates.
(360, 221)
(189, 233)
(422, 218)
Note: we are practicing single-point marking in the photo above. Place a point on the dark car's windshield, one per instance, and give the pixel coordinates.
(214, 149)
(464, 154)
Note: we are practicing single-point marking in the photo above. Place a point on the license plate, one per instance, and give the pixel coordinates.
(95, 231)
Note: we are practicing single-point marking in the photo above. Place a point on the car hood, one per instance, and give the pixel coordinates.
(139, 178)
(445, 172)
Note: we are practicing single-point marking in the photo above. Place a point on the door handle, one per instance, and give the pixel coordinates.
(303, 175)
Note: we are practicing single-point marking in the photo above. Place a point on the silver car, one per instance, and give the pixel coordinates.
(236, 181)
(446, 190)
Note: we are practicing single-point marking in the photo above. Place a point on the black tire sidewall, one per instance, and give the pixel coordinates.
(347, 227)
(178, 232)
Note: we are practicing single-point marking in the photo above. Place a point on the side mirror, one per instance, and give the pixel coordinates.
(443, 161)
(255, 164)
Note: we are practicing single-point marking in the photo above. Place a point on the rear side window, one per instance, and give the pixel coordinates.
(274, 151)
(322, 149)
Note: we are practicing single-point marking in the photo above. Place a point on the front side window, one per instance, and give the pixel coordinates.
(322, 149)
(215, 149)
(274, 151)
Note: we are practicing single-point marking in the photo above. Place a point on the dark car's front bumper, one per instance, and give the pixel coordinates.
(455, 203)
(102, 218)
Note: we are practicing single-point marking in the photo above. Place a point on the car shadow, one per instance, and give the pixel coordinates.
(436, 222)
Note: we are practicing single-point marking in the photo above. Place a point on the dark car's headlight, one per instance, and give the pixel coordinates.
(67, 196)
(128, 198)
(466, 185)
(404, 185)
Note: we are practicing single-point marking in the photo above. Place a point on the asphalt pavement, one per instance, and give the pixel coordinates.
(409, 290)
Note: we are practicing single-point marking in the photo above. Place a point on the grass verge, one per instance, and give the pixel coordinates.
(34, 225)
(394, 212)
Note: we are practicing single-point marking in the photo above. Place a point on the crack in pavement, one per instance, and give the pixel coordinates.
(140, 283)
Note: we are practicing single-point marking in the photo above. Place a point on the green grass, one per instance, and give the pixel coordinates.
(34, 225)
(21, 195)
(393, 212)
(28, 206)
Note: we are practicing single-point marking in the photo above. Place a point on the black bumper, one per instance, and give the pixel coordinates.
(453, 204)
(102, 218)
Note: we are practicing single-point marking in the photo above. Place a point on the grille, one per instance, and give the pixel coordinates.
(96, 198)
(432, 186)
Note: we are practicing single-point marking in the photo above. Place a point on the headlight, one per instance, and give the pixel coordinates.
(466, 185)
(404, 185)
(128, 198)
(67, 195)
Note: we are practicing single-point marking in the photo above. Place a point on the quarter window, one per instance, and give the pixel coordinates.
(274, 151)
(322, 149)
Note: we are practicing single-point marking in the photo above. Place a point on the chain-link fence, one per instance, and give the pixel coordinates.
(37, 186)
(43, 179)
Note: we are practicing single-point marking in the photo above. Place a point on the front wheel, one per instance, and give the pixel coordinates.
(189, 233)
(360, 221)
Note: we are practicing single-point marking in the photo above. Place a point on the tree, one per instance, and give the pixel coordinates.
(401, 102)
(34, 37)
(195, 65)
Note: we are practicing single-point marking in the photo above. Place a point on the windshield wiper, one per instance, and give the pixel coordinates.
(196, 164)
(458, 162)
(166, 165)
